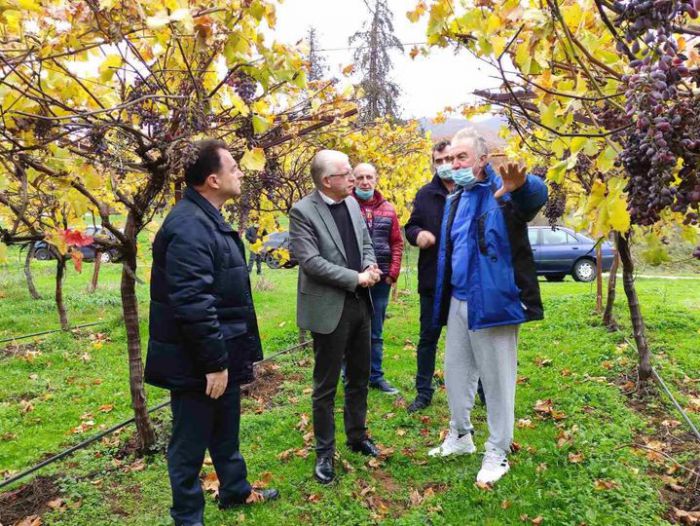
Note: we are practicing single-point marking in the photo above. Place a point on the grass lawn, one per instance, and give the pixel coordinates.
(576, 462)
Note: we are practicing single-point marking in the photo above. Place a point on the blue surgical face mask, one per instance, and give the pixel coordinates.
(365, 195)
(464, 177)
(444, 171)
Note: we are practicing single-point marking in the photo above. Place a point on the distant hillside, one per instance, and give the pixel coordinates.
(488, 127)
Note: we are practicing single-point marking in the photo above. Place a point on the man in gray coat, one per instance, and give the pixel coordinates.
(329, 238)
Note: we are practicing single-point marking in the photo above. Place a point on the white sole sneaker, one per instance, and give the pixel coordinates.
(454, 446)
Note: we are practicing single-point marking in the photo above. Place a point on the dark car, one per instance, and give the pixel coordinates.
(269, 251)
(42, 252)
(560, 251)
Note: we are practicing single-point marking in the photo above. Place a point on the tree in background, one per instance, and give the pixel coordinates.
(374, 42)
(317, 67)
(602, 95)
(100, 105)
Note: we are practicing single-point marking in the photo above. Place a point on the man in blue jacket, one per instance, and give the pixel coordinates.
(486, 287)
(203, 335)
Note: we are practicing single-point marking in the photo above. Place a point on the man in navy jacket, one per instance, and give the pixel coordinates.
(203, 335)
(486, 287)
(423, 231)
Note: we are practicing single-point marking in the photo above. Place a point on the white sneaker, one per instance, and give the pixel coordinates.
(493, 467)
(453, 445)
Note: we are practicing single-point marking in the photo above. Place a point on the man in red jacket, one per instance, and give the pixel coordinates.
(383, 226)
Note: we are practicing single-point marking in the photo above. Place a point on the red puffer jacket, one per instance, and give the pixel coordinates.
(383, 226)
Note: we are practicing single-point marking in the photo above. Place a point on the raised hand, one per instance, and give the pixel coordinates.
(513, 178)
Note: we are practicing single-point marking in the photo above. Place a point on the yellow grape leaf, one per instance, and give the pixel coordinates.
(58, 240)
(606, 160)
(109, 66)
(253, 160)
(261, 124)
(619, 217)
(548, 116)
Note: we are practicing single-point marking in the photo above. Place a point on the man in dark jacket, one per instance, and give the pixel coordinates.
(384, 229)
(251, 235)
(203, 335)
(423, 231)
(486, 286)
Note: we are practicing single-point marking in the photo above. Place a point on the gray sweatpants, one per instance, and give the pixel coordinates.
(489, 354)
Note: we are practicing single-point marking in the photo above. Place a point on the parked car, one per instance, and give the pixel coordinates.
(42, 252)
(560, 251)
(272, 243)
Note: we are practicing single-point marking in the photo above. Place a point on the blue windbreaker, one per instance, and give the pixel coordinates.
(501, 287)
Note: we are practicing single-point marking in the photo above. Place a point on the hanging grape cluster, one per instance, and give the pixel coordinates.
(556, 204)
(244, 85)
(666, 135)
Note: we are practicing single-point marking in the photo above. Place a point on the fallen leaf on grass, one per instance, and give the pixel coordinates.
(347, 467)
(505, 504)
(566, 372)
(628, 387)
(400, 432)
(525, 423)
(303, 422)
(313, 498)
(57, 504)
(523, 380)
(26, 406)
(686, 517)
(374, 463)
(484, 486)
(303, 453)
(537, 520)
(7, 437)
(672, 483)
(607, 364)
(541, 467)
(32, 520)
(307, 391)
(543, 362)
(604, 485)
(210, 483)
(576, 458)
(139, 465)
(107, 408)
(285, 454)
(264, 481)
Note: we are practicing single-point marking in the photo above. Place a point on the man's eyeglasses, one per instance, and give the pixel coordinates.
(345, 175)
(444, 160)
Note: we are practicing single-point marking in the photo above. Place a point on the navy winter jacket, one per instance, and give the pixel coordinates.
(202, 317)
(502, 279)
(427, 213)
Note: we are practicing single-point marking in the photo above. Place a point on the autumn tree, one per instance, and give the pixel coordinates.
(104, 100)
(601, 94)
(374, 42)
(316, 62)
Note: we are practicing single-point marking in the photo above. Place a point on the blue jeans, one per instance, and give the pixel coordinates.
(427, 345)
(380, 299)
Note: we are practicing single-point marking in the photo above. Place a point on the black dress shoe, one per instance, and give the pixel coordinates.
(323, 471)
(256, 496)
(366, 447)
(417, 405)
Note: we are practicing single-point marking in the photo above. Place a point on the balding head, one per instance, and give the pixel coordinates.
(325, 163)
(364, 168)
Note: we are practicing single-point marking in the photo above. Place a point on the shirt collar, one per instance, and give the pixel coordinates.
(328, 200)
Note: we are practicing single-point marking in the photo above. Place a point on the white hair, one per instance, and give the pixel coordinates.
(475, 140)
(365, 165)
(321, 164)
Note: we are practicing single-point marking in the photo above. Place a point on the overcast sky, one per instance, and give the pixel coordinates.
(428, 84)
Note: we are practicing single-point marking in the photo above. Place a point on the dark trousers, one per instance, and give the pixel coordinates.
(201, 423)
(350, 341)
(427, 346)
(255, 259)
(380, 301)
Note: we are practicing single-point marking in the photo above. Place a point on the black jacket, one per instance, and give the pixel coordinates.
(202, 317)
(428, 208)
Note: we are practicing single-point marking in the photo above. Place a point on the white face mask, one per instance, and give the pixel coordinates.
(444, 171)
(464, 177)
